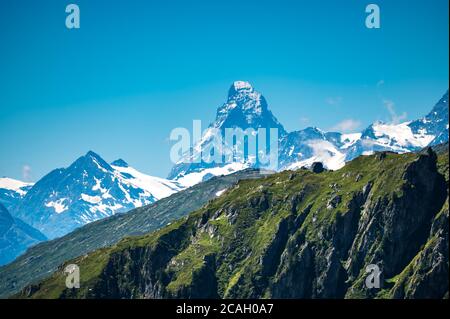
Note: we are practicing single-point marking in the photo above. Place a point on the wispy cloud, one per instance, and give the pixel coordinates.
(336, 100)
(395, 118)
(380, 83)
(26, 173)
(347, 126)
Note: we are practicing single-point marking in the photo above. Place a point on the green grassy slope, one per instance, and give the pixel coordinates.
(41, 260)
(289, 235)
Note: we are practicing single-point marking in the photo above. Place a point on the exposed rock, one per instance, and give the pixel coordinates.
(334, 201)
(317, 167)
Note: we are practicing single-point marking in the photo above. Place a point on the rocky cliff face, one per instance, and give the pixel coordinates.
(290, 235)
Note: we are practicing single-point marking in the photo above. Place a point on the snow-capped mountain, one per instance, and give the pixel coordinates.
(247, 108)
(91, 189)
(12, 191)
(303, 148)
(435, 123)
(88, 190)
(15, 236)
(334, 149)
(432, 129)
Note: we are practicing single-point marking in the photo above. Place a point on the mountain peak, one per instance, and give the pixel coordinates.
(434, 123)
(441, 107)
(120, 163)
(242, 85)
(93, 155)
(89, 189)
(240, 88)
(91, 160)
(245, 109)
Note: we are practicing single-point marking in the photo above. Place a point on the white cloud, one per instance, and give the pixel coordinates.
(347, 126)
(26, 173)
(380, 83)
(395, 118)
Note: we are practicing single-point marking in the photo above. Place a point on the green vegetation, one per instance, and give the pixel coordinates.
(290, 235)
(45, 258)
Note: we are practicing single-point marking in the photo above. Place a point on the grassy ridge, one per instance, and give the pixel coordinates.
(43, 259)
(291, 235)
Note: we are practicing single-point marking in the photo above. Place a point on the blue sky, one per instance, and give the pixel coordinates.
(137, 69)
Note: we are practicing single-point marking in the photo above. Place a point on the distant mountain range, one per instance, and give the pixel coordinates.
(91, 189)
(88, 190)
(246, 108)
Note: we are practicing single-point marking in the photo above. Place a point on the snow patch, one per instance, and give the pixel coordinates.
(197, 177)
(324, 152)
(14, 185)
(239, 85)
(91, 199)
(349, 139)
(400, 137)
(219, 193)
(58, 205)
(157, 187)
